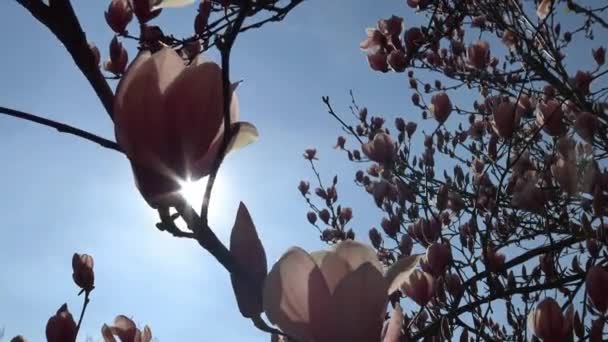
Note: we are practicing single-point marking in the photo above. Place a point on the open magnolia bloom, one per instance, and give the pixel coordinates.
(125, 329)
(335, 295)
(169, 122)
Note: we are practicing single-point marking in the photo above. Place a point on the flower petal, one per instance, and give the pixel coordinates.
(400, 270)
(296, 297)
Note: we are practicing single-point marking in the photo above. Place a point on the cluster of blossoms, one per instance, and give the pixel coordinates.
(528, 186)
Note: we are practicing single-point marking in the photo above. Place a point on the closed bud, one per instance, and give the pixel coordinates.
(454, 285)
(96, 54)
(304, 187)
(340, 142)
(83, 275)
(405, 245)
(549, 116)
(375, 238)
(599, 55)
(346, 214)
(202, 17)
(312, 217)
(117, 64)
(324, 215)
(310, 154)
(410, 128)
(119, 15)
(18, 338)
(144, 11)
(61, 327)
(400, 124)
(413, 38)
(441, 107)
(506, 119)
(581, 82)
(416, 99)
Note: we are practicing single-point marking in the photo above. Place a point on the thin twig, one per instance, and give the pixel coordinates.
(84, 308)
(61, 127)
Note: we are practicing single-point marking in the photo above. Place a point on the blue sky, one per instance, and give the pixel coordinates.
(63, 195)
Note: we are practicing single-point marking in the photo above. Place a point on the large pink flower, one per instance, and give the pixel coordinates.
(169, 121)
(548, 322)
(126, 331)
(326, 296)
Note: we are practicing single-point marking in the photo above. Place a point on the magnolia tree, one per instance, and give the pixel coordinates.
(504, 188)
(493, 208)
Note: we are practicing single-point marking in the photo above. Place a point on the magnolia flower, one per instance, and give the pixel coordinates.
(595, 282)
(419, 286)
(527, 196)
(118, 58)
(549, 115)
(581, 82)
(83, 275)
(317, 297)
(479, 54)
(548, 322)
(565, 172)
(169, 122)
(61, 327)
(586, 125)
(381, 149)
(441, 106)
(335, 295)
(506, 119)
(126, 330)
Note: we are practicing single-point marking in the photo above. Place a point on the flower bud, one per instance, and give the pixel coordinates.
(202, 17)
(340, 142)
(312, 217)
(304, 187)
(599, 55)
(61, 327)
(144, 11)
(83, 275)
(378, 61)
(324, 215)
(310, 154)
(119, 15)
(117, 64)
(18, 338)
(405, 245)
(565, 173)
(595, 282)
(581, 82)
(410, 128)
(95, 52)
(346, 214)
(413, 38)
(549, 115)
(441, 107)
(375, 238)
(454, 285)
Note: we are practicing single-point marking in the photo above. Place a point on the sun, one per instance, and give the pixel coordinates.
(194, 191)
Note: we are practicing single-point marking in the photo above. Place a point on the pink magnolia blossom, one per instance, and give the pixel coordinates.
(565, 172)
(419, 286)
(61, 327)
(441, 106)
(317, 297)
(506, 119)
(438, 257)
(83, 275)
(596, 282)
(393, 328)
(381, 149)
(586, 124)
(527, 195)
(374, 41)
(549, 115)
(549, 323)
(413, 38)
(126, 331)
(581, 82)
(119, 15)
(479, 54)
(169, 122)
(599, 55)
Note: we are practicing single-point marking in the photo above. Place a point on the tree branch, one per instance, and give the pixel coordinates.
(61, 127)
(62, 21)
